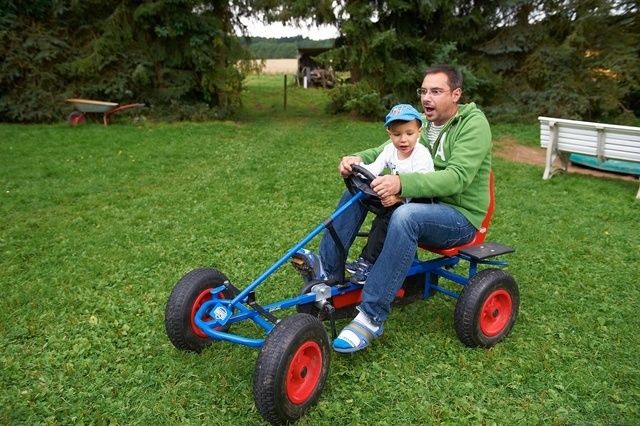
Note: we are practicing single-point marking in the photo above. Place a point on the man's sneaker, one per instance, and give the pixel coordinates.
(309, 265)
(362, 272)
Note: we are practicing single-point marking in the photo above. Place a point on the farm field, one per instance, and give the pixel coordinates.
(280, 66)
(98, 223)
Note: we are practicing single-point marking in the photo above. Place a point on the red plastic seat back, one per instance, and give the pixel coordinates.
(480, 233)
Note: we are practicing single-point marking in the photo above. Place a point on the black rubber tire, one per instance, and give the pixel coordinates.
(413, 289)
(178, 312)
(291, 369)
(487, 308)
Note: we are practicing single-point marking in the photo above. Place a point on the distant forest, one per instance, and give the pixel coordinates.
(573, 59)
(281, 48)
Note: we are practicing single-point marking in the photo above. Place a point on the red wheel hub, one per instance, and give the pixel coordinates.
(496, 312)
(304, 372)
(204, 296)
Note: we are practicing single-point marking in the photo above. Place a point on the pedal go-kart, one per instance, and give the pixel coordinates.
(294, 358)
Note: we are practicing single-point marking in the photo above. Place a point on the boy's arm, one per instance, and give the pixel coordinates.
(369, 155)
(379, 164)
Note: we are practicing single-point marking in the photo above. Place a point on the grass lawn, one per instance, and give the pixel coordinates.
(99, 223)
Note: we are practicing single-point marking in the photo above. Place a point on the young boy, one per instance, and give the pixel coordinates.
(402, 155)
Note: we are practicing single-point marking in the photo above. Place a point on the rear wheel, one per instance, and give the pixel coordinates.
(487, 308)
(291, 369)
(187, 297)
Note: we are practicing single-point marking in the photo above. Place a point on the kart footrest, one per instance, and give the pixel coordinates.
(251, 301)
(486, 250)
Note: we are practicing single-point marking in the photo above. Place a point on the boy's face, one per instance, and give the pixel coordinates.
(441, 103)
(404, 135)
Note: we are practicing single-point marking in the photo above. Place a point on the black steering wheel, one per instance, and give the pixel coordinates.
(360, 180)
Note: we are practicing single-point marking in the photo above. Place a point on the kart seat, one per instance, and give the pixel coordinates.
(480, 233)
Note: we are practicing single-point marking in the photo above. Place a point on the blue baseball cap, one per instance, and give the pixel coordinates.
(402, 112)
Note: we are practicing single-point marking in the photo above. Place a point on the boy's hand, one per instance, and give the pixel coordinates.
(345, 164)
(391, 200)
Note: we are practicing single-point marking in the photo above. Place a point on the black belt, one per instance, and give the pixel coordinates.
(424, 200)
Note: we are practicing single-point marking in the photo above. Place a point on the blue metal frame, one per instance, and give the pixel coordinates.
(440, 267)
(223, 312)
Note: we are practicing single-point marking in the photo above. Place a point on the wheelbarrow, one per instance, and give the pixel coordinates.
(85, 106)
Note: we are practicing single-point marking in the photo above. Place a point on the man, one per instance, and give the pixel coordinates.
(459, 139)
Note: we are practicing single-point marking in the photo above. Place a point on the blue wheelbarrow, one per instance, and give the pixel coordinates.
(294, 358)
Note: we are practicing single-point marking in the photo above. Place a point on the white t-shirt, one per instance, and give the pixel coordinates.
(419, 161)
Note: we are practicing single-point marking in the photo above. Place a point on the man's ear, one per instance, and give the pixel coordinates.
(456, 93)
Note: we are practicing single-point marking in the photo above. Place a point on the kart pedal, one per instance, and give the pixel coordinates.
(299, 263)
(301, 266)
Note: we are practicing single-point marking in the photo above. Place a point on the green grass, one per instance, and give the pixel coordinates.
(524, 133)
(99, 223)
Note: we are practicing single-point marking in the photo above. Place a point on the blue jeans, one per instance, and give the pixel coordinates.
(437, 225)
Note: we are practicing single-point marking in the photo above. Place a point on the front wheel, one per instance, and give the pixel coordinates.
(487, 308)
(76, 118)
(187, 296)
(291, 369)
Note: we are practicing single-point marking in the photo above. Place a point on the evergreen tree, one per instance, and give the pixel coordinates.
(178, 56)
(32, 49)
(571, 58)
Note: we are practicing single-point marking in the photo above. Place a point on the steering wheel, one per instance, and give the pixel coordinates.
(360, 180)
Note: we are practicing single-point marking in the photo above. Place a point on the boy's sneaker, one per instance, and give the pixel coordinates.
(352, 267)
(309, 265)
(362, 273)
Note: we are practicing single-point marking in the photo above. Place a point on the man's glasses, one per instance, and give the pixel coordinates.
(434, 92)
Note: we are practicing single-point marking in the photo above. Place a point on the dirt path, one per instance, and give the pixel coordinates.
(511, 150)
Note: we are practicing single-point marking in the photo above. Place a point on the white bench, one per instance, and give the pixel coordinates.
(604, 141)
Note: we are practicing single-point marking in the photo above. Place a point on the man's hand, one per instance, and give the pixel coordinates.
(386, 186)
(345, 164)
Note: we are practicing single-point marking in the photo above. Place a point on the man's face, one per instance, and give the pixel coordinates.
(440, 103)
(404, 135)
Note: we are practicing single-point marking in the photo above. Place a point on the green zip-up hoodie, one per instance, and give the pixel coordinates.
(462, 161)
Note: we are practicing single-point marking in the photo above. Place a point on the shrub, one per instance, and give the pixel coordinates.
(361, 99)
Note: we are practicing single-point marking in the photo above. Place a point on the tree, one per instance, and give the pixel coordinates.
(518, 56)
(572, 58)
(32, 50)
(387, 45)
(565, 63)
(180, 57)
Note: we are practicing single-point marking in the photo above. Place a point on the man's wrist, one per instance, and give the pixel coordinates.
(399, 186)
